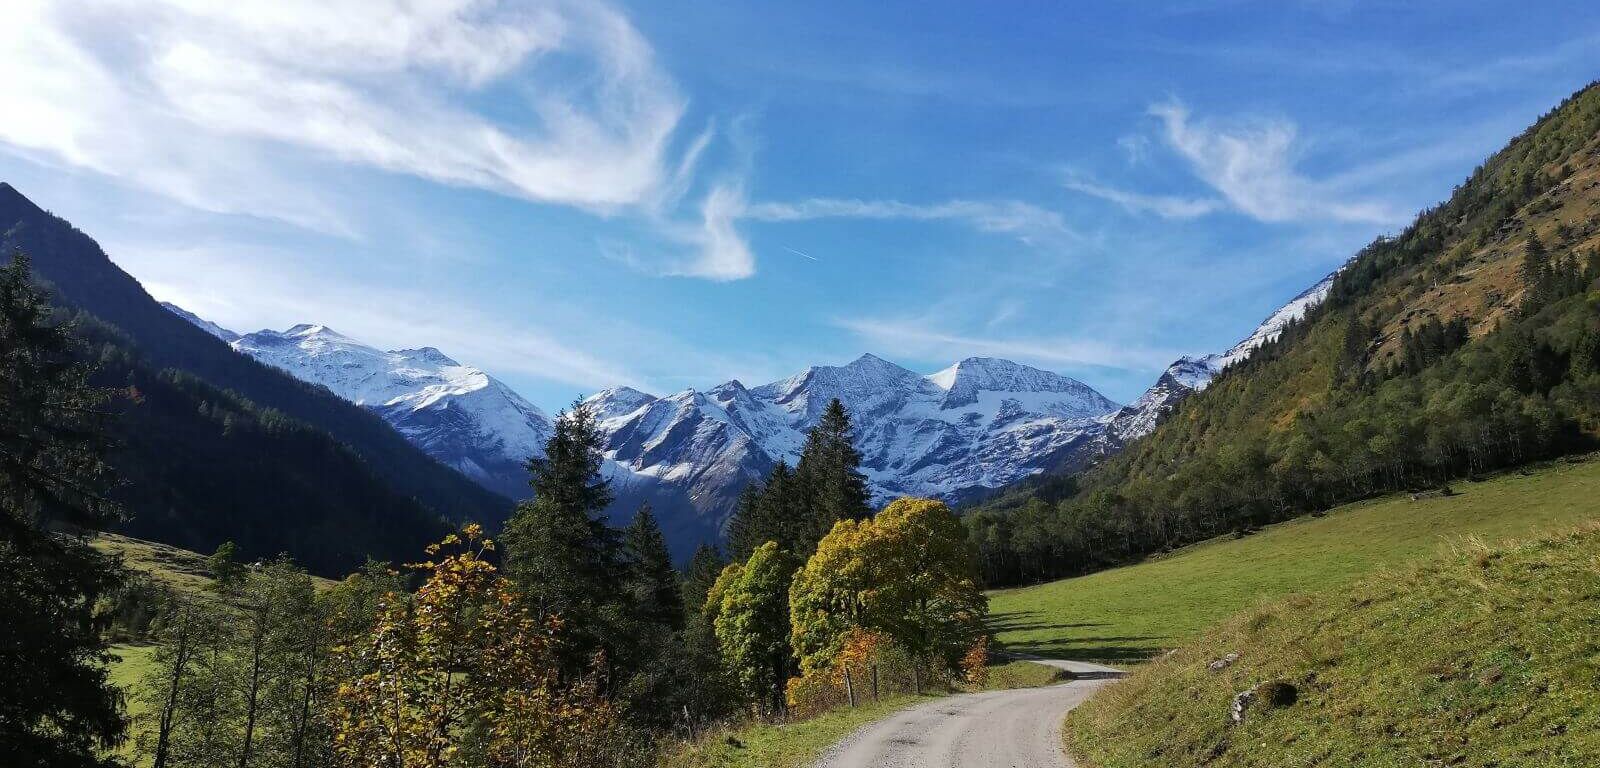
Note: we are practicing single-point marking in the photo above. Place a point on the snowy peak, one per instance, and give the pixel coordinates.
(201, 323)
(965, 382)
(1188, 375)
(863, 380)
(456, 413)
(608, 404)
(1270, 328)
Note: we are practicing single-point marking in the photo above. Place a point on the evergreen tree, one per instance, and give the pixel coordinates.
(1535, 271)
(558, 549)
(652, 582)
(778, 511)
(746, 528)
(704, 567)
(829, 477)
(57, 707)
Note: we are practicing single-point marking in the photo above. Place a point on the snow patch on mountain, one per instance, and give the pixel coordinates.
(979, 424)
(201, 323)
(1188, 375)
(455, 413)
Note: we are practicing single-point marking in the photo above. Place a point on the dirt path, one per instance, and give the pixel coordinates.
(1000, 729)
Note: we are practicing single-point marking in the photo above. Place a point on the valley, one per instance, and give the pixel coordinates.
(522, 384)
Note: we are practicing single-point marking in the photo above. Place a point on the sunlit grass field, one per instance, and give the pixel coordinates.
(1129, 614)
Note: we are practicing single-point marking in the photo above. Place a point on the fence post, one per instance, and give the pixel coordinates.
(874, 681)
(849, 687)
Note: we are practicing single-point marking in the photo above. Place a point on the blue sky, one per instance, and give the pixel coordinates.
(669, 195)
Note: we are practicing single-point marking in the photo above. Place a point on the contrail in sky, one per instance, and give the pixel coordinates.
(801, 253)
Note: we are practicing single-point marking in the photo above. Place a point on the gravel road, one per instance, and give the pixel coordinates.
(994, 729)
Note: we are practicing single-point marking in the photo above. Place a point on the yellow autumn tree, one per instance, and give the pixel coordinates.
(461, 674)
(908, 575)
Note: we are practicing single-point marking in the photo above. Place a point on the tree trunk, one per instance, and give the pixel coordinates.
(254, 694)
(164, 730)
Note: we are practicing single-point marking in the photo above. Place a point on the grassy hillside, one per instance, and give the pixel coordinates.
(1486, 657)
(1131, 613)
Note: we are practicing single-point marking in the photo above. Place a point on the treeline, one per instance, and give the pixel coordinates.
(1335, 410)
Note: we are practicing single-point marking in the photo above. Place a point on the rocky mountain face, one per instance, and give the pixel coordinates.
(979, 424)
(975, 426)
(459, 415)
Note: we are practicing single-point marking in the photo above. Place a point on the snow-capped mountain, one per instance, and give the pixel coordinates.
(201, 323)
(979, 424)
(1188, 375)
(455, 413)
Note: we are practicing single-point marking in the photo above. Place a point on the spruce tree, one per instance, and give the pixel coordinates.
(705, 565)
(746, 529)
(558, 549)
(829, 474)
(652, 582)
(57, 707)
(1535, 273)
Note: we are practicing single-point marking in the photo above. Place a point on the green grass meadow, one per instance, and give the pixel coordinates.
(1130, 614)
(1485, 658)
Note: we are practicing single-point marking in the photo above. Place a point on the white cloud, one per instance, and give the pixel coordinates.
(237, 106)
(917, 338)
(1006, 216)
(1165, 206)
(1252, 165)
(720, 253)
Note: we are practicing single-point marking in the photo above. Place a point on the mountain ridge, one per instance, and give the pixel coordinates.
(959, 433)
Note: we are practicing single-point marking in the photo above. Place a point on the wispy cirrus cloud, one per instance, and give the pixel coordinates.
(1165, 206)
(1005, 216)
(1252, 165)
(194, 98)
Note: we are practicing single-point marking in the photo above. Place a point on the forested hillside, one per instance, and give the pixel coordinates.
(81, 276)
(213, 446)
(1468, 342)
(202, 465)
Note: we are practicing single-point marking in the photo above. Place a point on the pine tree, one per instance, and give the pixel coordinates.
(559, 551)
(829, 473)
(57, 707)
(652, 582)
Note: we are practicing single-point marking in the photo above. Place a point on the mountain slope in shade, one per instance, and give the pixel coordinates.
(202, 323)
(457, 414)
